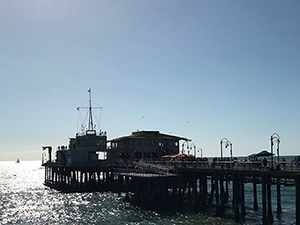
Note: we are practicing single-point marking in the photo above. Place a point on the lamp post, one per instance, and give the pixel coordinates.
(182, 148)
(192, 145)
(275, 139)
(227, 143)
(230, 151)
(200, 149)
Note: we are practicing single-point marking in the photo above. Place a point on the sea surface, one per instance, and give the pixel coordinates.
(25, 200)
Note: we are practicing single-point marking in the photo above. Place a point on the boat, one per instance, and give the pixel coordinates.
(83, 149)
(18, 160)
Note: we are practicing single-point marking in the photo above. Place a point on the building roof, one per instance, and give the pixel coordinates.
(147, 134)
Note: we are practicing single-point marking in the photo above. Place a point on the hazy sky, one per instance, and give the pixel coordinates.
(200, 69)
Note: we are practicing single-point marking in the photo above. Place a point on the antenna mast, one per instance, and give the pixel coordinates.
(91, 124)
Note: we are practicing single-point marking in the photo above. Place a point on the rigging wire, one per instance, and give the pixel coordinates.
(84, 121)
(98, 118)
(82, 105)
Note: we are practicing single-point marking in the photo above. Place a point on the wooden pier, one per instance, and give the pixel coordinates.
(208, 185)
(79, 178)
(221, 177)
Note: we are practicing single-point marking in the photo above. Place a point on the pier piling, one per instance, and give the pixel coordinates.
(255, 204)
(297, 184)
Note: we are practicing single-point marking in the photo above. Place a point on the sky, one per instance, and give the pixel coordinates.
(204, 70)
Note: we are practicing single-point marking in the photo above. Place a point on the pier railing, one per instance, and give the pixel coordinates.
(171, 167)
(156, 166)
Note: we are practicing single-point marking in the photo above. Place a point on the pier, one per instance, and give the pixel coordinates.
(207, 184)
(130, 166)
(79, 178)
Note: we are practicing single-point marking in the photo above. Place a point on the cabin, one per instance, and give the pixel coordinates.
(148, 145)
(82, 150)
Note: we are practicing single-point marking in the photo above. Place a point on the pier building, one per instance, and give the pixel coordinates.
(144, 145)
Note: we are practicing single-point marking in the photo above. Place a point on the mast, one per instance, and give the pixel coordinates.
(91, 124)
(88, 127)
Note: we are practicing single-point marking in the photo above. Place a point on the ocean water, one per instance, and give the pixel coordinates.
(25, 200)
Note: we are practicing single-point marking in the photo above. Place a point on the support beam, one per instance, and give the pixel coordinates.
(223, 196)
(195, 191)
(242, 194)
(279, 208)
(255, 204)
(264, 201)
(236, 199)
(126, 187)
(269, 194)
(297, 184)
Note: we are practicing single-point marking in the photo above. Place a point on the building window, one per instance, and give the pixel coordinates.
(114, 145)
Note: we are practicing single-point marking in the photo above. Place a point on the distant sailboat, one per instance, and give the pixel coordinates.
(18, 160)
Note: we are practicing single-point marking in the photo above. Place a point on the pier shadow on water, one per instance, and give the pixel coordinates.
(174, 206)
